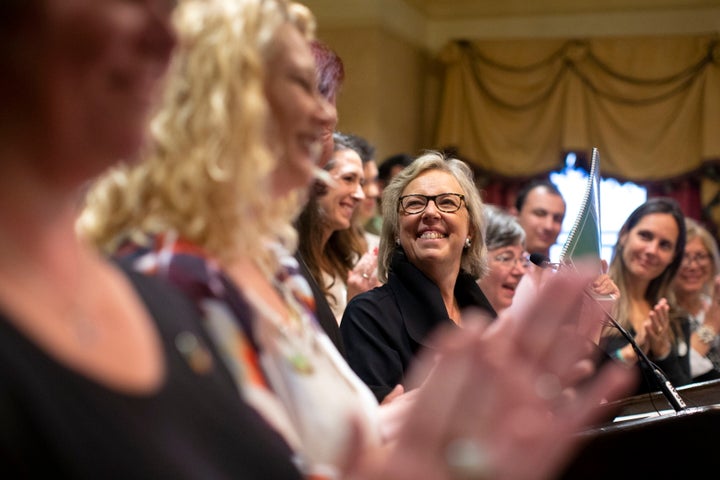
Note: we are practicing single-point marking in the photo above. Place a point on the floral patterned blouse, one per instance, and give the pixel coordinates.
(289, 370)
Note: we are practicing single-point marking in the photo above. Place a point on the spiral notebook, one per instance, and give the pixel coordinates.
(585, 237)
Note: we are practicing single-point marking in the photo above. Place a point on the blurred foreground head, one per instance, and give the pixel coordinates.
(238, 132)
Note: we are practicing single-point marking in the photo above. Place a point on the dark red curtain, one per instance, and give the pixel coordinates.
(687, 194)
(686, 191)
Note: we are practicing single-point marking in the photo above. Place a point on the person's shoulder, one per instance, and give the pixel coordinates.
(177, 262)
(374, 304)
(374, 296)
(159, 295)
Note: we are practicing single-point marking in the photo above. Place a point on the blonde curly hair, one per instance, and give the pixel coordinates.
(207, 170)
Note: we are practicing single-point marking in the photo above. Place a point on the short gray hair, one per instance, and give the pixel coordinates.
(502, 229)
(474, 259)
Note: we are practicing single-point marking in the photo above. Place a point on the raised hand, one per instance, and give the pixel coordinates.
(712, 316)
(364, 276)
(657, 328)
(492, 405)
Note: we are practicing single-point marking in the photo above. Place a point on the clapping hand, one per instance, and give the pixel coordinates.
(657, 329)
(604, 285)
(364, 276)
(712, 316)
(492, 405)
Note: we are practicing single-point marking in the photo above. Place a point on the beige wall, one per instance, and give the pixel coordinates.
(389, 49)
(384, 95)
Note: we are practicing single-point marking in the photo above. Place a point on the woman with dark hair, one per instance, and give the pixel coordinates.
(330, 74)
(647, 255)
(327, 245)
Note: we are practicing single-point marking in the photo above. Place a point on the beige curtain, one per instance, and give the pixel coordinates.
(650, 105)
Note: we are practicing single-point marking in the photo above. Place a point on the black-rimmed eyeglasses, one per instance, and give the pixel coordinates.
(445, 202)
(702, 259)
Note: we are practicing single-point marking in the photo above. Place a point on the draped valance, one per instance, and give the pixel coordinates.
(651, 105)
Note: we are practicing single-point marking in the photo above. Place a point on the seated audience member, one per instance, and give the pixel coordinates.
(387, 170)
(363, 276)
(104, 373)
(500, 402)
(507, 258)
(431, 253)
(369, 206)
(327, 245)
(226, 252)
(391, 166)
(647, 255)
(540, 210)
(696, 291)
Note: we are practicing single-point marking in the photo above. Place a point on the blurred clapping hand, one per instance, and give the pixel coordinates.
(495, 394)
(364, 276)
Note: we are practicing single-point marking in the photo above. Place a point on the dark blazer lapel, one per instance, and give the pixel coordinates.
(418, 297)
(469, 294)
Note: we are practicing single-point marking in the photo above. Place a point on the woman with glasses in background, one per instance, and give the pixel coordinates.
(697, 292)
(431, 253)
(507, 258)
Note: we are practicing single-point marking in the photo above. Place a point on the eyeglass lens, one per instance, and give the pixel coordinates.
(445, 202)
(511, 261)
(699, 258)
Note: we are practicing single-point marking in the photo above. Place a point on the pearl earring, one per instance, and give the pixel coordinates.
(397, 241)
(467, 242)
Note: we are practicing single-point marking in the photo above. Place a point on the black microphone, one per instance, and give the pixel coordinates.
(666, 387)
(539, 259)
(542, 261)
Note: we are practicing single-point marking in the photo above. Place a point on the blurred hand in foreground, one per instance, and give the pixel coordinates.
(493, 402)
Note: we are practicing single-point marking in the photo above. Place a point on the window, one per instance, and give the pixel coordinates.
(617, 201)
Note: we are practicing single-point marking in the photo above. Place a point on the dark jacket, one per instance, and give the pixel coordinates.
(384, 328)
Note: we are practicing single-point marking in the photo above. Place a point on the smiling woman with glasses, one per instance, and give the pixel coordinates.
(694, 291)
(505, 240)
(431, 254)
(700, 259)
(509, 260)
